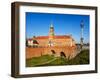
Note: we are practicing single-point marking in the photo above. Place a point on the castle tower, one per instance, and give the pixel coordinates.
(82, 28)
(51, 32)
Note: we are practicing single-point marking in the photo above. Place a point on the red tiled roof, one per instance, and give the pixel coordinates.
(42, 37)
(55, 37)
(35, 42)
(63, 36)
(30, 39)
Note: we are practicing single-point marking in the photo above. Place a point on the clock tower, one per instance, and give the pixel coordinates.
(51, 32)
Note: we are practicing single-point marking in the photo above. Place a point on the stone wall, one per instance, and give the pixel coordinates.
(68, 52)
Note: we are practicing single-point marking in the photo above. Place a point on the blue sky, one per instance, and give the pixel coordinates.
(38, 24)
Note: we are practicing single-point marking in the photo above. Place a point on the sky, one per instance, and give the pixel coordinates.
(38, 24)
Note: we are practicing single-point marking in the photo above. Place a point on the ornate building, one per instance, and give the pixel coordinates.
(58, 44)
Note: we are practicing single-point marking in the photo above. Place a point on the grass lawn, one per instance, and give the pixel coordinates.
(50, 60)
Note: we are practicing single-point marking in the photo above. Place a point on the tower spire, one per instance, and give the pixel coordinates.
(51, 25)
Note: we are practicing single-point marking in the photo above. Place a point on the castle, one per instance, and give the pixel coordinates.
(57, 45)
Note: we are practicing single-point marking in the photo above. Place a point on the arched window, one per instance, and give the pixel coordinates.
(62, 54)
(53, 52)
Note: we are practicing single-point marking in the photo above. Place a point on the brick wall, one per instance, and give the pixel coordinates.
(36, 52)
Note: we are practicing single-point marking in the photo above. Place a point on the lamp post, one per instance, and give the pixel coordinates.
(81, 39)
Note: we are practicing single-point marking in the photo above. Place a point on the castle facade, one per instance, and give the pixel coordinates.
(58, 45)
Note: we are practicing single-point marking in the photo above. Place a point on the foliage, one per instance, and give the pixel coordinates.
(81, 58)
